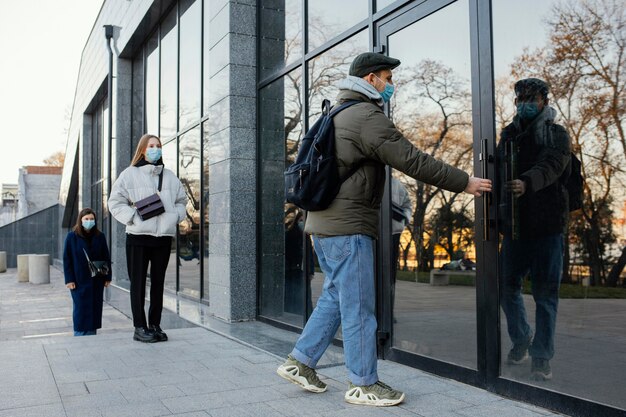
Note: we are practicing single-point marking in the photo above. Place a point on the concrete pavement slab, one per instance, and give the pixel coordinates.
(199, 372)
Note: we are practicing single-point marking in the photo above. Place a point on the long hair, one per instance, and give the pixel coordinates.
(141, 147)
(78, 226)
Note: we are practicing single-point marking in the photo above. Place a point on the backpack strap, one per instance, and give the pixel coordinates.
(339, 108)
(332, 113)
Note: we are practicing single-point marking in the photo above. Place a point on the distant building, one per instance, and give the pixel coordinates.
(8, 203)
(37, 189)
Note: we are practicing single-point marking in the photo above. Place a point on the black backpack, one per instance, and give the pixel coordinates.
(312, 182)
(572, 180)
(574, 184)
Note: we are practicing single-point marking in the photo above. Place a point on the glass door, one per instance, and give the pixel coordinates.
(562, 248)
(429, 239)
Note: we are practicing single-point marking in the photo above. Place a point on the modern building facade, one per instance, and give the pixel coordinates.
(231, 87)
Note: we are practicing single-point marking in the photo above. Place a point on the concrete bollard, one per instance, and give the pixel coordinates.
(39, 269)
(3, 261)
(22, 268)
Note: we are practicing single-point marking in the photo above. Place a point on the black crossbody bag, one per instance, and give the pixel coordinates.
(97, 268)
(151, 206)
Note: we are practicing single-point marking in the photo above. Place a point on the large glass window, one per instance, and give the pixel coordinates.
(327, 69)
(205, 205)
(433, 230)
(99, 165)
(206, 9)
(170, 160)
(152, 85)
(562, 277)
(169, 76)
(281, 43)
(189, 228)
(190, 62)
(282, 274)
(328, 18)
(138, 127)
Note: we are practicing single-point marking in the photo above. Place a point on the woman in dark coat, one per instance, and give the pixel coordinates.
(87, 291)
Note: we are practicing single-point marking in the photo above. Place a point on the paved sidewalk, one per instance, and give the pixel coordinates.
(45, 371)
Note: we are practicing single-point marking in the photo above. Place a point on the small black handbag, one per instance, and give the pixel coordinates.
(152, 205)
(97, 268)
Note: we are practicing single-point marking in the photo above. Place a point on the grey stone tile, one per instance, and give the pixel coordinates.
(497, 409)
(471, 395)
(309, 405)
(433, 404)
(246, 410)
(96, 400)
(195, 403)
(47, 410)
(74, 388)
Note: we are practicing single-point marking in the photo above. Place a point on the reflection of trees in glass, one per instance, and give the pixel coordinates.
(325, 71)
(585, 63)
(433, 111)
(293, 115)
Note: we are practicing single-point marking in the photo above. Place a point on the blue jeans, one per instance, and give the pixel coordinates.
(85, 333)
(348, 298)
(543, 258)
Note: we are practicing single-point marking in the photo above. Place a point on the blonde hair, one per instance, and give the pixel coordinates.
(141, 147)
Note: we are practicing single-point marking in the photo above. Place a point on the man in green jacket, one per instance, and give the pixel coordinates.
(344, 234)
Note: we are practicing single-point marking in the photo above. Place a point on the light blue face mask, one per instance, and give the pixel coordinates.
(88, 224)
(527, 111)
(387, 92)
(153, 154)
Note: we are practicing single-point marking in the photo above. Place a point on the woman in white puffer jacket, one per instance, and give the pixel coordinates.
(147, 241)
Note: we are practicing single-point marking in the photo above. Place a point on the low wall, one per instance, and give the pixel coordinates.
(36, 233)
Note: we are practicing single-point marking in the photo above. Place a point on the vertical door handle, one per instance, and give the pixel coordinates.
(484, 160)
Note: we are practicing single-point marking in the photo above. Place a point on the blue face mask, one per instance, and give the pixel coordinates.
(387, 92)
(153, 154)
(527, 111)
(88, 224)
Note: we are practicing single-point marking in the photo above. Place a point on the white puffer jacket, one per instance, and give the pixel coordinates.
(136, 183)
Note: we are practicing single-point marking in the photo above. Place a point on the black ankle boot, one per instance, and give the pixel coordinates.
(143, 334)
(159, 333)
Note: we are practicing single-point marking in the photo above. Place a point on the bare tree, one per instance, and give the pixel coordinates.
(57, 159)
(437, 120)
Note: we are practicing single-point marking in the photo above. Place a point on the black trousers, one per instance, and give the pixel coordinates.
(137, 259)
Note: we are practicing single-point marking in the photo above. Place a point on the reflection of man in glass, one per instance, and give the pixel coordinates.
(294, 268)
(344, 233)
(535, 153)
(401, 209)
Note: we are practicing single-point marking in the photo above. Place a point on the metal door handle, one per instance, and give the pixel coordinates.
(484, 160)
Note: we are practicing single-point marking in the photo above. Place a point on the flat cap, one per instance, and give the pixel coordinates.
(371, 62)
(530, 87)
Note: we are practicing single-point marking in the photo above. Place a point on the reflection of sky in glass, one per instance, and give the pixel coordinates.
(169, 58)
(190, 66)
(328, 18)
(422, 41)
(426, 40)
(293, 30)
(517, 25)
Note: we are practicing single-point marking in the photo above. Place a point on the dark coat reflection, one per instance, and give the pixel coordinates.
(533, 155)
(295, 279)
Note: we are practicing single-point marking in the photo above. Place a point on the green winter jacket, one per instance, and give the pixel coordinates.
(365, 137)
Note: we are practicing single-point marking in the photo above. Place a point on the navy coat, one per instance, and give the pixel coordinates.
(88, 294)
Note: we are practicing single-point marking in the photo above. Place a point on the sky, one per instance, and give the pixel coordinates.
(41, 42)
